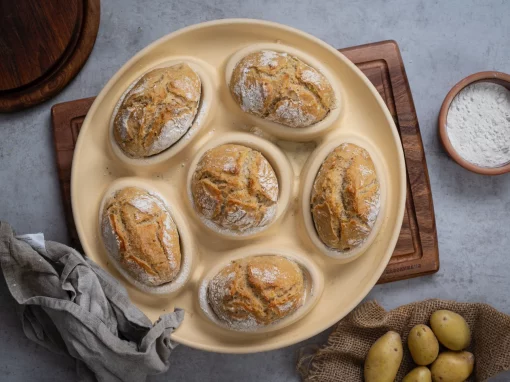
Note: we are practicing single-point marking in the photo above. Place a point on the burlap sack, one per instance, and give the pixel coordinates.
(341, 359)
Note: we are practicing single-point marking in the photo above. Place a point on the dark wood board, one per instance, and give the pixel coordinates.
(416, 253)
(43, 45)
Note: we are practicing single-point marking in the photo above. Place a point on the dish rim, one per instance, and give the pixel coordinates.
(400, 187)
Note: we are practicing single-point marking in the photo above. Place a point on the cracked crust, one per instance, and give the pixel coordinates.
(345, 198)
(257, 290)
(281, 88)
(235, 187)
(157, 111)
(141, 236)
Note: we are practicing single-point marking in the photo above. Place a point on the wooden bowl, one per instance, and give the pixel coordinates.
(490, 76)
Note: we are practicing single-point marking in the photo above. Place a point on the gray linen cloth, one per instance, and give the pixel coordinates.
(70, 305)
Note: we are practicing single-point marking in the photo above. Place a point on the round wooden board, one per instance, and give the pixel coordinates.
(43, 44)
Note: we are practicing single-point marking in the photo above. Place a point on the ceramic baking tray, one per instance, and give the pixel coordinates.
(361, 117)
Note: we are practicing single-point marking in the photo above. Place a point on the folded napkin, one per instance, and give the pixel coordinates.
(71, 306)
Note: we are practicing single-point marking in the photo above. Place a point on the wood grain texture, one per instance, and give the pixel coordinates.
(43, 45)
(416, 253)
(67, 119)
(417, 250)
(33, 37)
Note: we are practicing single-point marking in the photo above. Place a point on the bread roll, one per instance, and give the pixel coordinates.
(235, 187)
(256, 291)
(281, 88)
(141, 236)
(345, 198)
(157, 111)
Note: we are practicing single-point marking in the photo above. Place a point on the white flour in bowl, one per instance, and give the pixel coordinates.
(478, 124)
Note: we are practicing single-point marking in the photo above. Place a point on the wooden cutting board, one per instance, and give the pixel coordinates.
(416, 253)
(43, 45)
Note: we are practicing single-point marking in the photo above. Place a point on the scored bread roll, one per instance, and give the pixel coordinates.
(235, 187)
(345, 198)
(157, 111)
(256, 291)
(281, 88)
(141, 236)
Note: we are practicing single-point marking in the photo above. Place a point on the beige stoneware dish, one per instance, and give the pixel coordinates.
(360, 117)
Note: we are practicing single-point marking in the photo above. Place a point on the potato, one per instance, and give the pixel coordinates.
(384, 358)
(418, 374)
(452, 366)
(450, 329)
(423, 345)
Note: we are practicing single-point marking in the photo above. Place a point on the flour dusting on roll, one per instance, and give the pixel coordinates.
(235, 188)
(256, 291)
(345, 198)
(157, 111)
(281, 88)
(141, 236)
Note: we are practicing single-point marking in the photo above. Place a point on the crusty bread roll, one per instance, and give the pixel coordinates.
(141, 236)
(281, 88)
(235, 187)
(256, 291)
(345, 198)
(157, 111)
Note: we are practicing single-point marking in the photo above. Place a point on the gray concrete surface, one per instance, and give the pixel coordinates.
(441, 42)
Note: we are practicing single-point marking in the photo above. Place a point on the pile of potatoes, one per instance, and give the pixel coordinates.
(453, 365)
